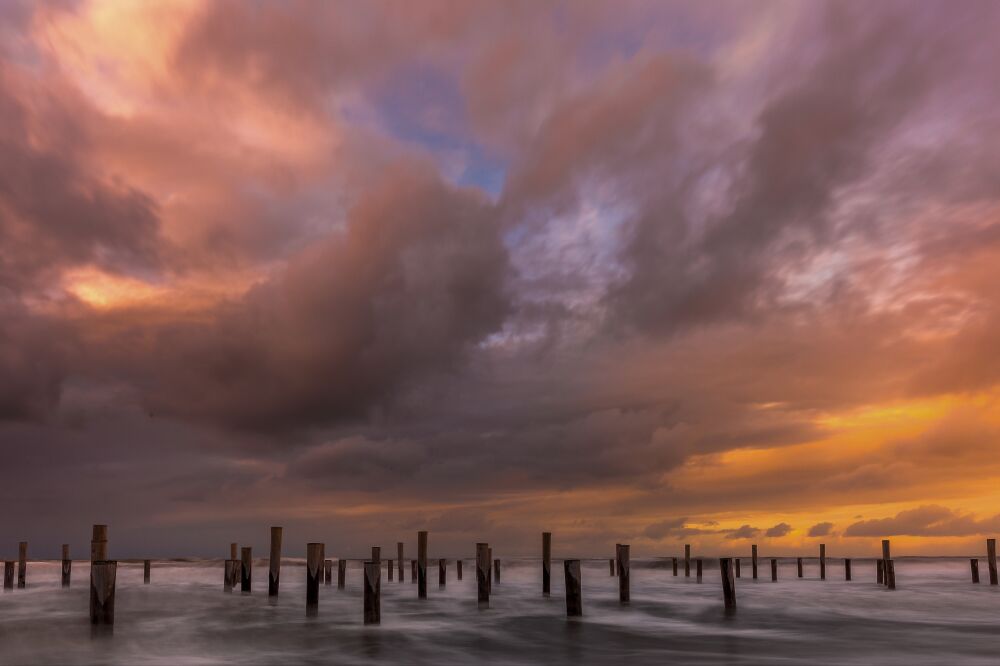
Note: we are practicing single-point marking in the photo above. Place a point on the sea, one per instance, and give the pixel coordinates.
(935, 616)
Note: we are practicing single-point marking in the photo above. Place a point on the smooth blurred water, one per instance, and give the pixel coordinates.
(936, 616)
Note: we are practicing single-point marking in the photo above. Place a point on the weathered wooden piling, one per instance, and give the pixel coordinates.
(67, 565)
(328, 572)
(798, 563)
(991, 559)
(399, 559)
(890, 575)
(611, 565)
(373, 592)
(674, 565)
(483, 572)
(774, 570)
(622, 559)
(687, 560)
(886, 556)
(422, 564)
(574, 591)
(274, 563)
(546, 562)
(728, 582)
(314, 560)
(8, 575)
(753, 560)
(341, 573)
(442, 572)
(246, 568)
(413, 572)
(458, 568)
(322, 557)
(737, 567)
(491, 568)
(22, 564)
(822, 561)
(698, 568)
(847, 569)
(389, 567)
(975, 569)
(496, 570)
(99, 543)
(230, 575)
(102, 591)
(145, 572)
(880, 572)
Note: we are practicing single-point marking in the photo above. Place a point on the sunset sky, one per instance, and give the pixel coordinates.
(656, 273)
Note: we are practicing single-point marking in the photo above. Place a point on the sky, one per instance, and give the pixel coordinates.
(656, 273)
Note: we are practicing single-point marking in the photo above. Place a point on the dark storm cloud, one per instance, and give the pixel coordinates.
(928, 520)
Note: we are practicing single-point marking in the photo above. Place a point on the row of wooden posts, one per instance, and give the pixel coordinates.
(239, 570)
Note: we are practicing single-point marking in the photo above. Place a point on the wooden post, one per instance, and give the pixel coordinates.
(22, 564)
(753, 560)
(991, 559)
(737, 567)
(774, 570)
(322, 558)
(328, 572)
(880, 572)
(728, 583)
(483, 572)
(389, 567)
(822, 561)
(458, 568)
(67, 565)
(145, 572)
(102, 591)
(8, 575)
(229, 575)
(422, 564)
(246, 569)
(99, 543)
(341, 573)
(687, 560)
(574, 594)
(890, 575)
(314, 559)
(847, 569)
(546, 562)
(373, 589)
(413, 572)
(491, 568)
(442, 572)
(799, 564)
(885, 558)
(698, 568)
(399, 559)
(674, 563)
(496, 569)
(624, 567)
(377, 557)
(975, 569)
(611, 565)
(274, 563)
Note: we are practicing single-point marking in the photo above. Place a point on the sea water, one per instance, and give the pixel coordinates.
(935, 616)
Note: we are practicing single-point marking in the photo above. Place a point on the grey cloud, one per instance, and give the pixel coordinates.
(820, 529)
(779, 530)
(743, 532)
(928, 520)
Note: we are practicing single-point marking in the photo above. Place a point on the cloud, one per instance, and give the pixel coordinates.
(779, 530)
(743, 532)
(927, 520)
(820, 529)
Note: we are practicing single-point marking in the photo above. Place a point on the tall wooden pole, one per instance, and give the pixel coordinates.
(341, 573)
(399, 560)
(491, 568)
(442, 572)
(483, 572)
(314, 558)
(389, 567)
(328, 572)
(246, 569)
(546, 562)
(674, 564)
(67, 565)
(413, 572)
(975, 569)
(822, 561)
(8, 575)
(991, 559)
(22, 564)
(574, 594)
(611, 565)
(737, 561)
(753, 560)
(422, 564)
(99, 543)
(145, 572)
(886, 556)
(322, 556)
(274, 563)
(229, 575)
(698, 569)
(687, 560)
(728, 583)
(880, 572)
(847, 569)
(496, 569)
(774, 570)
(890, 575)
(373, 589)
(622, 560)
(798, 563)
(102, 591)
